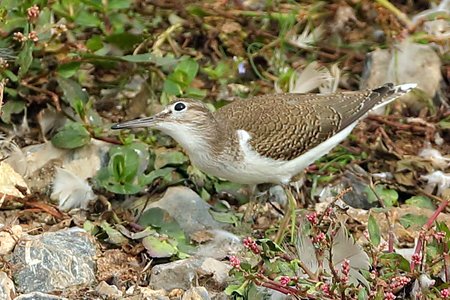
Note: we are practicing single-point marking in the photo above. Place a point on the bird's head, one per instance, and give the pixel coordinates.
(179, 114)
(187, 121)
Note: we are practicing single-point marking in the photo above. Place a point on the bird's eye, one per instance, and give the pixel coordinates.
(179, 106)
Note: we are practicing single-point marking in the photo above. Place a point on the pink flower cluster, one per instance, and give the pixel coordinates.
(33, 12)
(235, 262)
(285, 280)
(399, 281)
(319, 238)
(439, 236)
(345, 270)
(312, 218)
(445, 293)
(389, 296)
(326, 289)
(249, 243)
(416, 258)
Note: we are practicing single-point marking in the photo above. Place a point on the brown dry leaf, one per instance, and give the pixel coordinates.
(202, 236)
(232, 36)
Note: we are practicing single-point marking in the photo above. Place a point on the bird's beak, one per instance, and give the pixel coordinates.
(138, 123)
(152, 121)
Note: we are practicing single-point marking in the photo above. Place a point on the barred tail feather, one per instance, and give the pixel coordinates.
(390, 92)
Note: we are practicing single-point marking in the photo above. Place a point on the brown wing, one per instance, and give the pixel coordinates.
(284, 126)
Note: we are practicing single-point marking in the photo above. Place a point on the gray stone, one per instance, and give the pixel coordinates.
(196, 293)
(407, 62)
(39, 296)
(7, 290)
(53, 261)
(223, 243)
(188, 209)
(184, 274)
(151, 294)
(219, 296)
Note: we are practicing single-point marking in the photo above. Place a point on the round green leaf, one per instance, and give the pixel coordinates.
(71, 136)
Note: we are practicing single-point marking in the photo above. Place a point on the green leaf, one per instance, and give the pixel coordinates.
(94, 4)
(11, 76)
(444, 124)
(126, 41)
(196, 10)
(189, 68)
(144, 58)
(389, 197)
(118, 4)
(114, 236)
(90, 227)
(125, 169)
(374, 231)
(234, 289)
(421, 201)
(72, 135)
(69, 69)
(225, 217)
(362, 294)
(94, 43)
(14, 23)
(412, 220)
(163, 221)
(394, 261)
(158, 247)
(25, 58)
(172, 88)
(72, 91)
(88, 19)
(192, 92)
(165, 173)
(11, 107)
(168, 157)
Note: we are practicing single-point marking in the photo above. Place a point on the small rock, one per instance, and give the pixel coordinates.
(10, 180)
(148, 293)
(9, 238)
(53, 261)
(176, 293)
(406, 63)
(183, 274)
(7, 290)
(222, 244)
(110, 291)
(217, 269)
(196, 293)
(188, 209)
(39, 296)
(219, 296)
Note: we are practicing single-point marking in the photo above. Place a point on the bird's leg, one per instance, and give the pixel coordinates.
(289, 214)
(290, 208)
(251, 204)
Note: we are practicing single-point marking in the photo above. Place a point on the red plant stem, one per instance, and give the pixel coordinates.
(287, 290)
(446, 262)
(425, 228)
(282, 289)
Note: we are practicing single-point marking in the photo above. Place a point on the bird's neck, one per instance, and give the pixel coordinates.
(206, 139)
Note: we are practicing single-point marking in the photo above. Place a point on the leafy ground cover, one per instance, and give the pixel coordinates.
(69, 69)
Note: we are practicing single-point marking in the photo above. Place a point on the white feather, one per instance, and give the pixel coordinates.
(71, 191)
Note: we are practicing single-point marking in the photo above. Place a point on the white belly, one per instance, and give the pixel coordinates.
(255, 169)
